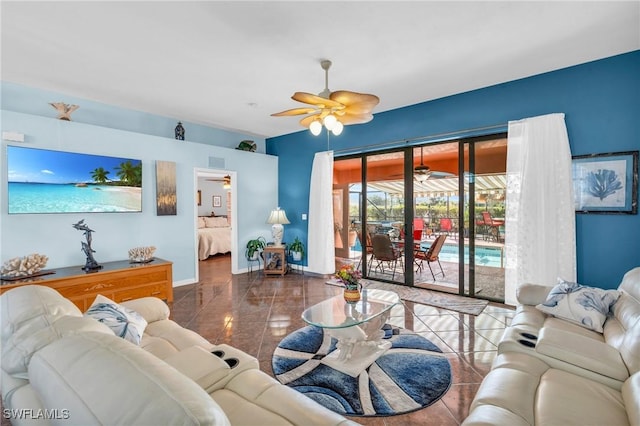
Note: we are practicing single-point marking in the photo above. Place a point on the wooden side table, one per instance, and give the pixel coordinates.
(275, 260)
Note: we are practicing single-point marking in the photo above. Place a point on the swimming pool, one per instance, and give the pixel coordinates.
(485, 256)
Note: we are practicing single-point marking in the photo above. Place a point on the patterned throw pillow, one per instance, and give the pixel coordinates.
(124, 322)
(579, 304)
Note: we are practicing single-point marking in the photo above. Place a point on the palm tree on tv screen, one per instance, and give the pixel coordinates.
(99, 175)
(130, 174)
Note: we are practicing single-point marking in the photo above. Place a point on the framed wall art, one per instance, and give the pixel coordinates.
(166, 189)
(217, 201)
(606, 183)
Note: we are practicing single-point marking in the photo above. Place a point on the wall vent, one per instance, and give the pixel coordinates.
(216, 163)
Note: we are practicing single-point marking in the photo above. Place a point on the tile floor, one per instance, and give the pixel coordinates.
(254, 313)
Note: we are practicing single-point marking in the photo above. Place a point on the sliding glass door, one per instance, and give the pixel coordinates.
(484, 201)
(429, 216)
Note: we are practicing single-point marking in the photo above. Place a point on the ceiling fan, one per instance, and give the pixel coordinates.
(423, 172)
(333, 109)
(226, 181)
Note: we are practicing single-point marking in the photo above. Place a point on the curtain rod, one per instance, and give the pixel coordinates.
(413, 141)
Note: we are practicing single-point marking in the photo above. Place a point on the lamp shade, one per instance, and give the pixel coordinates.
(277, 218)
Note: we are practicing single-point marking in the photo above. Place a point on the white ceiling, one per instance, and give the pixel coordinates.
(231, 64)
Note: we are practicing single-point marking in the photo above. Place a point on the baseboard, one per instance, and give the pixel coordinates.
(184, 282)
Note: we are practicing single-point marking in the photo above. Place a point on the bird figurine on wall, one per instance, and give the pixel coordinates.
(64, 110)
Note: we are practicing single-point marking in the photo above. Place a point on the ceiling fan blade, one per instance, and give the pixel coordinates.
(310, 118)
(347, 98)
(348, 118)
(441, 175)
(294, 111)
(319, 101)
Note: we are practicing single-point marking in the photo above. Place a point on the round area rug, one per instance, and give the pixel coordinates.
(411, 375)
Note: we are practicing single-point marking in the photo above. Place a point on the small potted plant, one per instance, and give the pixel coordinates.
(254, 247)
(350, 278)
(297, 250)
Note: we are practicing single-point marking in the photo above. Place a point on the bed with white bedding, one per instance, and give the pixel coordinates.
(214, 236)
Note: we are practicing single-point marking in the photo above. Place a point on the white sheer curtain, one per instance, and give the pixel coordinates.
(321, 251)
(540, 242)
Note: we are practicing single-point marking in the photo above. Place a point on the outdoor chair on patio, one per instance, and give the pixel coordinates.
(385, 253)
(481, 228)
(418, 228)
(492, 226)
(446, 226)
(431, 255)
(367, 247)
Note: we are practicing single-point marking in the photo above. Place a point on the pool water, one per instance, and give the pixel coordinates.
(485, 256)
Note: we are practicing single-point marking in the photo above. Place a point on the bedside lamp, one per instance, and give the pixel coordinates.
(277, 218)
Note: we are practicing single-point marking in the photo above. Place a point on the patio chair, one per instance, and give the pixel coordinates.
(431, 255)
(481, 228)
(367, 247)
(492, 226)
(385, 253)
(446, 226)
(418, 228)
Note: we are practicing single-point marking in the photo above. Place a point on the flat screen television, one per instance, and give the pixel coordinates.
(47, 181)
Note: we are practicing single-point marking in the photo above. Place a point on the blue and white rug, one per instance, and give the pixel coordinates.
(411, 375)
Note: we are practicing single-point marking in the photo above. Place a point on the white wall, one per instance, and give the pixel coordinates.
(115, 233)
(208, 190)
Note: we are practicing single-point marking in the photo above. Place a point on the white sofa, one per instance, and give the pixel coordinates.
(552, 371)
(60, 367)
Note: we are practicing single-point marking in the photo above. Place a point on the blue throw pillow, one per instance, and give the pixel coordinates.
(124, 322)
(579, 304)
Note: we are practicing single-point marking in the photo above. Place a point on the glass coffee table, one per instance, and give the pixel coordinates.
(356, 326)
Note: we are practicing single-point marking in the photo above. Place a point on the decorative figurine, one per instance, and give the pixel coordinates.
(64, 110)
(179, 131)
(24, 266)
(247, 145)
(141, 254)
(91, 264)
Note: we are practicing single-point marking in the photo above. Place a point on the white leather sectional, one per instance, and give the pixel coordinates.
(60, 367)
(550, 371)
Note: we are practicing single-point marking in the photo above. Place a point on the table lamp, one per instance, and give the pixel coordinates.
(277, 218)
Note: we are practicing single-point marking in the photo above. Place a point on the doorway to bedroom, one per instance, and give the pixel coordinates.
(214, 237)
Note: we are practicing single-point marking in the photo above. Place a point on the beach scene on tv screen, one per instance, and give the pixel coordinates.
(47, 181)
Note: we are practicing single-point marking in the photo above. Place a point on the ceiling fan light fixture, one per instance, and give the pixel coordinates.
(330, 121)
(422, 177)
(315, 127)
(337, 129)
(226, 183)
(328, 108)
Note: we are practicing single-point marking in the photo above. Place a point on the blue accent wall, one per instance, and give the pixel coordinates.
(601, 103)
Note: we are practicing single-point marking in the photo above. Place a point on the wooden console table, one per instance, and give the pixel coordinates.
(119, 281)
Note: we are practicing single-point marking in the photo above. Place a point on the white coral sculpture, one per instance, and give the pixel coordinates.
(23, 266)
(141, 254)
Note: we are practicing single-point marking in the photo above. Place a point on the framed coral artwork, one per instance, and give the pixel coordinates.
(606, 183)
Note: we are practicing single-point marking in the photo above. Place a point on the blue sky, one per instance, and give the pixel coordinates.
(45, 166)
